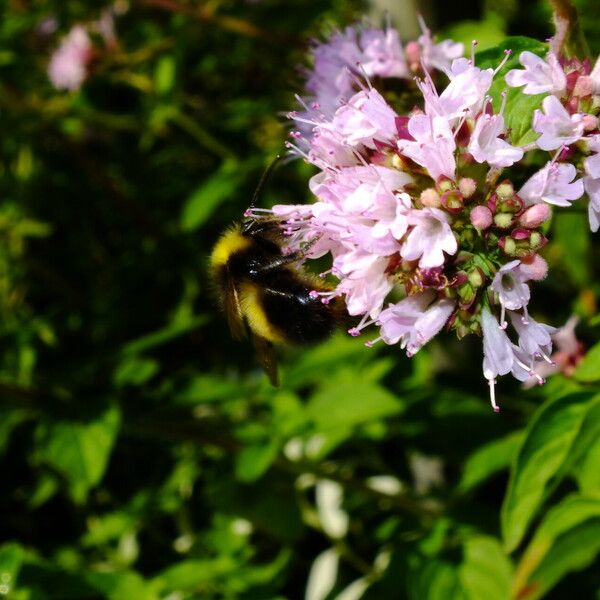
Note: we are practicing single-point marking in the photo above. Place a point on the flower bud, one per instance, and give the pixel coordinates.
(503, 220)
(430, 197)
(476, 277)
(584, 86)
(534, 267)
(467, 186)
(412, 51)
(520, 234)
(452, 201)
(537, 240)
(445, 184)
(505, 190)
(590, 122)
(535, 215)
(481, 217)
(508, 246)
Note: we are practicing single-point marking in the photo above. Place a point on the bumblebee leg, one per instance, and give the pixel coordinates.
(266, 356)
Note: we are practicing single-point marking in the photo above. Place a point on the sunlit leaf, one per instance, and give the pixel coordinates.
(568, 539)
(79, 450)
(548, 442)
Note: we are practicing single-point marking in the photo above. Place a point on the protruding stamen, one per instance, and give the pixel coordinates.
(492, 384)
(507, 54)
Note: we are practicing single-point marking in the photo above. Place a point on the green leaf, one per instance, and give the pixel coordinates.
(191, 574)
(164, 75)
(164, 335)
(435, 580)
(135, 371)
(212, 192)
(486, 572)
(79, 450)
(489, 460)
(315, 363)
(253, 461)
(585, 455)
(122, 585)
(539, 462)
(11, 559)
(588, 370)
(9, 419)
(573, 246)
(567, 540)
(346, 404)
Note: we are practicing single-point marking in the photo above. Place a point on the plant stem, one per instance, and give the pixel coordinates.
(569, 35)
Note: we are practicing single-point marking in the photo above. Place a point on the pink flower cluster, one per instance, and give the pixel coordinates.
(427, 224)
(349, 56)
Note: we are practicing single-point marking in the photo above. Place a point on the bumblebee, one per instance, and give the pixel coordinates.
(266, 291)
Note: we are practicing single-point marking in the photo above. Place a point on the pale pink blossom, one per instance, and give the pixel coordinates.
(509, 284)
(534, 337)
(365, 118)
(464, 94)
(68, 65)
(363, 281)
(438, 56)
(592, 189)
(498, 354)
(592, 163)
(553, 184)
(568, 354)
(486, 145)
(382, 54)
(556, 126)
(539, 76)
(432, 145)
(595, 76)
(430, 237)
(414, 321)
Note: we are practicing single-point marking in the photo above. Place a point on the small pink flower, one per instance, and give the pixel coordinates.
(438, 56)
(486, 145)
(592, 163)
(430, 237)
(68, 65)
(464, 94)
(364, 282)
(557, 127)
(382, 54)
(498, 355)
(553, 184)
(433, 146)
(592, 189)
(509, 284)
(414, 321)
(540, 76)
(534, 337)
(365, 118)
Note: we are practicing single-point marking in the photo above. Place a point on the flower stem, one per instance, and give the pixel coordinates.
(569, 36)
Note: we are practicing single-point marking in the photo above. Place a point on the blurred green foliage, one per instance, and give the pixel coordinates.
(144, 455)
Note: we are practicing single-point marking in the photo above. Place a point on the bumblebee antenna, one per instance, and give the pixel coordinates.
(263, 180)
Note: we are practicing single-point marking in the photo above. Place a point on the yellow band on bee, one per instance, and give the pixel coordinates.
(230, 242)
(255, 315)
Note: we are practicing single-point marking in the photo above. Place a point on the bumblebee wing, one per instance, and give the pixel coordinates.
(233, 309)
(267, 358)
